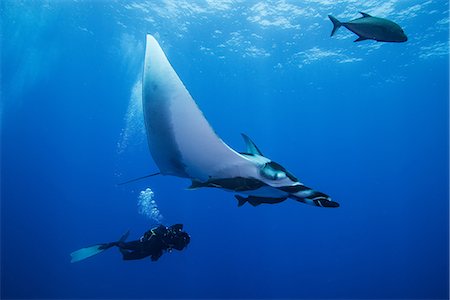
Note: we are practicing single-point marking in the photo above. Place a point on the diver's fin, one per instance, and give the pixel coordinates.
(124, 237)
(241, 200)
(251, 147)
(364, 14)
(336, 24)
(139, 178)
(84, 253)
(87, 252)
(360, 38)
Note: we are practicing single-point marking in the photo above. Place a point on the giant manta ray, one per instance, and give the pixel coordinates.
(183, 144)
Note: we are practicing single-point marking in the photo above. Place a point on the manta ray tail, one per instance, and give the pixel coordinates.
(336, 24)
(139, 178)
(87, 252)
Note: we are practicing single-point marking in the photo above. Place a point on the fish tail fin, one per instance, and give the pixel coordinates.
(241, 200)
(336, 24)
(253, 202)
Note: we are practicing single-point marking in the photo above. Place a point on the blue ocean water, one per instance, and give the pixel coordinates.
(366, 123)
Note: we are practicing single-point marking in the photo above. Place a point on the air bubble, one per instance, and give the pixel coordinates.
(147, 206)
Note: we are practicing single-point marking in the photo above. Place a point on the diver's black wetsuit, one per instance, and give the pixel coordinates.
(154, 242)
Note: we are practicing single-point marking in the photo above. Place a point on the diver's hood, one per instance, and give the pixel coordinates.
(177, 239)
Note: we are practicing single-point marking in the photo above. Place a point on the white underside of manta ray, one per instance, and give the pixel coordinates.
(183, 144)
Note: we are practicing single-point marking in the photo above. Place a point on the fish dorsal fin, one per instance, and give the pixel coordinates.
(251, 147)
(364, 14)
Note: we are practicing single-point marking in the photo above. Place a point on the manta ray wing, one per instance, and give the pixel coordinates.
(181, 141)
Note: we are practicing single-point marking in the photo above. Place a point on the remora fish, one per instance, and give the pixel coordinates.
(183, 144)
(372, 28)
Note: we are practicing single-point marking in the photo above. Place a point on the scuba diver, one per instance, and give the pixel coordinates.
(153, 243)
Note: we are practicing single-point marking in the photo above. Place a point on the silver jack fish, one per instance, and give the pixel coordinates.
(372, 28)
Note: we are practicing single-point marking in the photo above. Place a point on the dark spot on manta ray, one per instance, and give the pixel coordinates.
(179, 166)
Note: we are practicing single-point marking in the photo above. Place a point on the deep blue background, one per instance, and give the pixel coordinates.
(366, 123)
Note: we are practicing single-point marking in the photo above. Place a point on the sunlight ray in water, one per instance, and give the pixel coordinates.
(133, 132)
